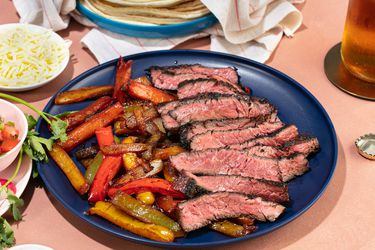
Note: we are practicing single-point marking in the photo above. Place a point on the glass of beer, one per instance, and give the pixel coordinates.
(358, 43)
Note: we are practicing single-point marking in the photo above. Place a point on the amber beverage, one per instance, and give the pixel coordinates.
(358, 43)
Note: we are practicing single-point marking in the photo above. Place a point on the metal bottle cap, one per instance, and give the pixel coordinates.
(366, 146)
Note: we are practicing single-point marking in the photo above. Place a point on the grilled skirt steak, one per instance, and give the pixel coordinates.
(236, 162)
(216, 106)
(199, 212)
(192, 185)
(195, 87)
(276, 139)
(170, 77)
(219, 139)
(196, 128)
(302, 145)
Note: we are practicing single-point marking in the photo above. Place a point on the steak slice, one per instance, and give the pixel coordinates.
(219, 138)
(303, 144)
(198, 86)
(163, 109)
(195, 128)
(199, 212)
(236, 162)
(217, 106)
(276, 139)
(192, 185)
(170, 77)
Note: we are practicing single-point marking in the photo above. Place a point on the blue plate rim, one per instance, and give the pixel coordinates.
(156, 28)
(258, 65)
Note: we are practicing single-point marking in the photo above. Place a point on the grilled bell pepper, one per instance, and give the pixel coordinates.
(92, 169)
(71, 171)
(123, 74)
(87, 129)
(120, 149)
(81, 94)
(143, 212)
(121, 219)
(146, 92)
(104, 136)
(164, 153)
(155, 185)
(107, 170)
(231, 229)
(167, 204)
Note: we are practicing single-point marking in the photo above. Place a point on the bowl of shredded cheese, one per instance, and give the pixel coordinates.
(30, 56)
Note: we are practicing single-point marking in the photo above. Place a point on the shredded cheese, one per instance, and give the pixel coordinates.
(29, 57)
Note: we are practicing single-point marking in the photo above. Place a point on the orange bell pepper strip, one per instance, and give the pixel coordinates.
(123, 74)
(79, 117)
(87, 129)
(155, 185)
(145, 92)
(71, 171)
(82, 94)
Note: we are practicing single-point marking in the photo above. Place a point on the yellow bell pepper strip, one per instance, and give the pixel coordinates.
(120, 149)
(121, 219)
(143, 212)
(150, 93)
(164, 153)
(71, 171)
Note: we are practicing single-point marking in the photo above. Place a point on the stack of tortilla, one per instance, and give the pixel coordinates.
(149, 12)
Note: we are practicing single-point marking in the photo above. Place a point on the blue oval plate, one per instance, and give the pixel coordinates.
(296, 105)
(144, 31)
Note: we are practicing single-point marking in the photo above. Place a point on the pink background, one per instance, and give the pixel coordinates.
(343, 218)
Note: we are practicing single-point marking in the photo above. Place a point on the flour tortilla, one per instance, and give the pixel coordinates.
(148, 3)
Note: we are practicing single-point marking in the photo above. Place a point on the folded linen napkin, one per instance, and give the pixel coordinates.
(249, 28)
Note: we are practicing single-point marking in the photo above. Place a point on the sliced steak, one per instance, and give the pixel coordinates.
(199, 212)
(236, 162)
(192, 185)
(163, 109)
(170, 77)
(195, 128)
(217, 106)
(219, 138)
(302, 144)
(276, 139)
(198, 86)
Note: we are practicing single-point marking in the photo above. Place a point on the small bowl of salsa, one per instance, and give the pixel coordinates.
(13, 131)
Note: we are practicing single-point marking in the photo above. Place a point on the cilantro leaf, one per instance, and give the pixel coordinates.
(6, 234)
(31, 122)
(15, 203)
(58, 128)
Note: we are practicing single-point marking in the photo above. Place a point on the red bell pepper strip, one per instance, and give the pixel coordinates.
(107, 170)
(155, 185)
(146, 92)
(167, 203)
(104, 136)
(123, 74)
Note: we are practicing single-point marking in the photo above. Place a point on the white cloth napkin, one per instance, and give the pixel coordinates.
(249, 28)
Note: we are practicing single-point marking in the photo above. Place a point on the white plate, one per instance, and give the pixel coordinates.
(30, 247)
(20, 181)
(55, 37)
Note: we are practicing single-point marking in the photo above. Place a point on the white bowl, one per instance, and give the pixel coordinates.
(55, 37)
(10, 112)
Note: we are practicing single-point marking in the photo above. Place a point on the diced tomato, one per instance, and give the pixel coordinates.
(9, 132)
(8, 145)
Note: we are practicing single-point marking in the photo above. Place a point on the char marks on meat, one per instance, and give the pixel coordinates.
(276, 139)
(236, 162)
(192, 185)
(171, 77)
(222, 138)
(200, 211)
(216, 106)
(198, 86)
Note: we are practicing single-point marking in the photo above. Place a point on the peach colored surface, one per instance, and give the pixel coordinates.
(343, 218)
